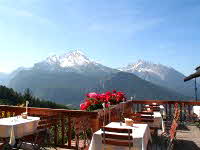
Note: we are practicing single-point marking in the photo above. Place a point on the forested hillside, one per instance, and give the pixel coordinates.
(9, 97)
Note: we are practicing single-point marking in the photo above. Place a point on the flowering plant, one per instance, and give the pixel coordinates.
(94, 101)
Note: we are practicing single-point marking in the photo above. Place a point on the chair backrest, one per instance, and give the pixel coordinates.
(146, 112)
(177, 114)
(110, 137)
(172, 131)
(172, 134)
(141, 117)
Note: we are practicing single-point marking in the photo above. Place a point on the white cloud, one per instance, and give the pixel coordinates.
(126, 26)
(10, 11)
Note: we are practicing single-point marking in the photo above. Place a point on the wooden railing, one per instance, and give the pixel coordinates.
(62, 125)
(185, 107)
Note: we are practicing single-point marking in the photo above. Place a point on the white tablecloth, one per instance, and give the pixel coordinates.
(141, 136)
(158, 121)
(196, 110)
(162, 110)
(16, 127)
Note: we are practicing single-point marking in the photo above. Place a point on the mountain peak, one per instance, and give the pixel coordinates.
(73, 58)
(70, 59)
(147, 67)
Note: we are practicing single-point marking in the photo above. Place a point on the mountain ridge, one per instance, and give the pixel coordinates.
(67, 80)
(161, 75)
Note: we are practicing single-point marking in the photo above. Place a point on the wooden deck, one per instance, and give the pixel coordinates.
(188, 138)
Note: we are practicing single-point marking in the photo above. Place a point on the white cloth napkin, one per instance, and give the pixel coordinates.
(12, 137)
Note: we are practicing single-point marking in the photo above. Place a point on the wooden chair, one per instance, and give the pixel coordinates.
(42, 138)
(151, 108)
(146, 113)
(117, 140)
(176, 117)
(168, 137)
(143, 116)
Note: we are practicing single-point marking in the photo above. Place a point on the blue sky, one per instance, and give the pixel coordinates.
(113, 32)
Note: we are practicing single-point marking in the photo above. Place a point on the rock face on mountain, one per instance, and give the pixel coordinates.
(67, 78)
(141, 89)
(161, 75)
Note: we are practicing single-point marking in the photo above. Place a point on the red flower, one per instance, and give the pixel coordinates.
(92, 95)
(102, 97)
(87, 103)
(108, 93)
(114, 91)
(108, 98)
(82, 106)
(107, 105)
(95, 99)
(120, 96)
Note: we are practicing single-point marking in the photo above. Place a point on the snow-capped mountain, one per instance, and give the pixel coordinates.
(144, 68)
(73, 61)
(68, 77)
(161, 75)
(70, 59)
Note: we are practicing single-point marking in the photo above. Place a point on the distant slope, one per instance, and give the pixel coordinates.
(141, 89)
(161, 75)
(67, 78)
(70, 88)
(61, 87)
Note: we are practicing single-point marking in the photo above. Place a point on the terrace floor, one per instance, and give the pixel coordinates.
(188, 138)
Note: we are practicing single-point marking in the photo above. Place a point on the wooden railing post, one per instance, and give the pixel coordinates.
(55, 134)
(189, 110)
(63, 128)
(95, 124)
(166, 109)
(181, 113)
(69, 132)
(170, 111)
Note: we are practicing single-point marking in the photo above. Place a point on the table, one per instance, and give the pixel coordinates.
(196, 110)
(162, 110)
(158, 121)
(17, 127)
(141, 136)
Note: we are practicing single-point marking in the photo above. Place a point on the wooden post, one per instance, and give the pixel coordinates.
(166, 109)
(63, 129)
(189, 110)
(95, 124)
(55, 134)
(170, 110)
(69, 132)
(181, 113)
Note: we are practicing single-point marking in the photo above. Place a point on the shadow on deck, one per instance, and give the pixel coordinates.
(188, 138)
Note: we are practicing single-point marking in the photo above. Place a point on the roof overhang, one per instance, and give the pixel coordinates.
(194, 75)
